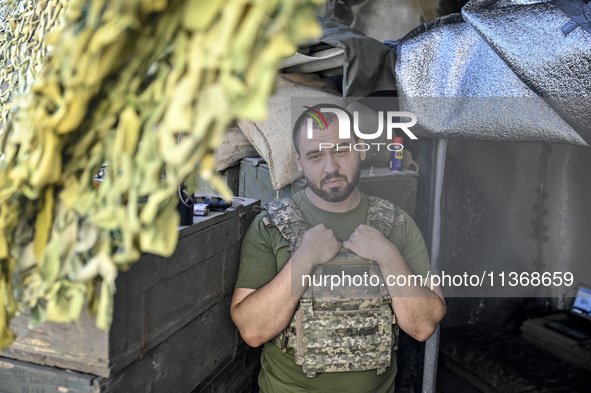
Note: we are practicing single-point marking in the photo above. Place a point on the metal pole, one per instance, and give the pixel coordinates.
(432, 344)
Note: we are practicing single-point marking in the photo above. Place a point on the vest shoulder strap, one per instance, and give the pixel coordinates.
(288, 218)
(290, 221)
(383, 215)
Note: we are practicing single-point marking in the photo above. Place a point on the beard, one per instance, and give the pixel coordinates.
(335, 194)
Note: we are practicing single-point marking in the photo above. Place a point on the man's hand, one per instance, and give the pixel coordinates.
(319, 245)
(370, 243)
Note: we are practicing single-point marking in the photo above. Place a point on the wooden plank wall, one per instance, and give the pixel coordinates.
(185, 359)
(206, 355)
(22, 377)
(163, 295)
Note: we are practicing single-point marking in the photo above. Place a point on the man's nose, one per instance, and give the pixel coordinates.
(330, 165)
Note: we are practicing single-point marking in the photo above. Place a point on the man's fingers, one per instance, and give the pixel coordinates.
(349, 245)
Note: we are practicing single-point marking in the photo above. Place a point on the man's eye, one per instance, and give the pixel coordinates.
(340, 152)
(315, 157)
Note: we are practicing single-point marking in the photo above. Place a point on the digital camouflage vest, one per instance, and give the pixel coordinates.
(349, 328)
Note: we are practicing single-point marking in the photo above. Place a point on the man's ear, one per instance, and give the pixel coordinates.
(363, 153)
(298, 161)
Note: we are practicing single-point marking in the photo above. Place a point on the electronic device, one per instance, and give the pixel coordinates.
(215, 203)
(200, 209)
(577, 325)
(581, 305)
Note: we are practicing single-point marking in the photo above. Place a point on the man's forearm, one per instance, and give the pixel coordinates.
(264, 313)
(418, 309)
(419, 316)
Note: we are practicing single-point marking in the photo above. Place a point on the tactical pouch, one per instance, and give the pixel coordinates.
(326, 341)
(348, 328)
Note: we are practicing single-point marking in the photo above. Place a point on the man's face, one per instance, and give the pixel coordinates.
(331, 173)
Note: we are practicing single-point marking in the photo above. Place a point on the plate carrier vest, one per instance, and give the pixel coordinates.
(350, 328)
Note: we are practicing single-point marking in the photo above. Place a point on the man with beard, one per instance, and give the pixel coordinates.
(268, 303)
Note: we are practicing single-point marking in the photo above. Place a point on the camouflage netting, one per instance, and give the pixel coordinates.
(22, 46)
(147, 86)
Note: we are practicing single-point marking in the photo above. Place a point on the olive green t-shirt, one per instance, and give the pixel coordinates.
(265, 252)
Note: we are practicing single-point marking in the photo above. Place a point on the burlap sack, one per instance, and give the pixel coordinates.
(328, 61)
(273, 137)
(233, 148)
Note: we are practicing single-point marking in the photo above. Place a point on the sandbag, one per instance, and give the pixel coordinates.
(272, 138)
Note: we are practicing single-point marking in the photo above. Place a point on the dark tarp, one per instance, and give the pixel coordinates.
(502, 70)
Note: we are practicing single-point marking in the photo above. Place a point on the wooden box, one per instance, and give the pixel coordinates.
(255, 181)
(161, 304)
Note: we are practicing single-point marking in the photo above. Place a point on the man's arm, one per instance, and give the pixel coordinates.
(263, 313)
(418, 309)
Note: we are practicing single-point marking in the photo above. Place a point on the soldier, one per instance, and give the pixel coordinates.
(321, 339)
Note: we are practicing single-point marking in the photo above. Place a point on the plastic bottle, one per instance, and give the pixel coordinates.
(397, 155)
(185, 206)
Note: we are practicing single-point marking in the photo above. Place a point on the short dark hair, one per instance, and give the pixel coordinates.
(329, 116)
